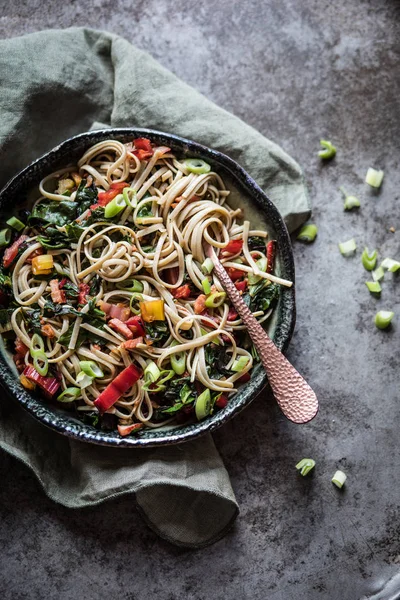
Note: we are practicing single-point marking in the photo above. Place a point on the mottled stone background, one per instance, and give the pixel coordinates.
(297, 71)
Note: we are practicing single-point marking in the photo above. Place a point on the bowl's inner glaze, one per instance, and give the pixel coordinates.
(256, 207)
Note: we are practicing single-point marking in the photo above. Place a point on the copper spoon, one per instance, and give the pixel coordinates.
(295, 397)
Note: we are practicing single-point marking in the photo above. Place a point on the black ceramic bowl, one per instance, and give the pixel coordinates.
(257, 208)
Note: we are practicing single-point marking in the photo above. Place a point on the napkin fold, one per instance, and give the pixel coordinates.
(56, 84)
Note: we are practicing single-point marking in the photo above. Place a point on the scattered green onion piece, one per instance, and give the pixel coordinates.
(203, 404)
(347, 248)
(308, 233)
(135, 299)
(339, 478)
(240, 364)
(215, 300)
(15, 223)
(132, 202)
(207, 266)
(329, 150)
(166, 376)
(205, 332)
(41, 363)
(378, 274)
(262, 265)
(130, 285)
(369, 260)
(178, 360)
(383, 318)
(305, 466)
(374, 287)
(197, 166)
(349, 201)
(36, 347)
(69, 394)
(83, 380)
(151, 372)
(5, 237)
(114, 207)
(390, 264)
(206, 286)
(91, 368)
(374, 178)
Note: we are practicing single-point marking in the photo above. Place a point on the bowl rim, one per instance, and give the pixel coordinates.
(42, 412)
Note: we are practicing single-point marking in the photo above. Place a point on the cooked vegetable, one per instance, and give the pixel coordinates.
(114, 207)
(91, 368)
(328, 151)
(49, 385)
(15, 223)
(5, 237)
(178, 360)
(207, 266)
(206, 286)
(152, 310)
(196, 165)
(305, 466)
(69, 395)
(339, 479)
(240, 364)
(233, 247)
(203, 405)
(121, 384)
(369, 260)
(11, 253)
(374, 178)
(262, 266)
(130, 285)
(271, 252)
(347, 248)
(308, 233)
(83, 380)
(383, 319)
(215, 300)
(42, 264)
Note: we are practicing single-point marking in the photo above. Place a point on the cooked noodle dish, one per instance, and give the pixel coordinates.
(108, 302)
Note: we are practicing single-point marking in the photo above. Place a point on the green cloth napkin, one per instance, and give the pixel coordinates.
(55, 84)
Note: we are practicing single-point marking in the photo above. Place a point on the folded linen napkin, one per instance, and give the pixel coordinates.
(56, 84)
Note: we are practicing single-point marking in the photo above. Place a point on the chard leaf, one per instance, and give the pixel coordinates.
(54, 212)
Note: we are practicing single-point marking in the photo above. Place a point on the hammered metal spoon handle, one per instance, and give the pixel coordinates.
(295, 397)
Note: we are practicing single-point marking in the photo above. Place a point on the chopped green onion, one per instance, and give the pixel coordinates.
(339, 478)
(207, 266)
(374, 287)
(15, 223)
(374, 178)
(215, 300)
(151, 372)
(262, 265)
(214, 340)
(349, 201)
(308, 233)
(132, 202)
(69, 395)
(240, 364)
(114, 207)
(203, 404)
(305, 466)
(83, 380)
(5, 237)
(378, 274)
(134, 303)
(165, 376)
(329, 150)
(197, 166)
(383, 318)
(41, 363)
(91, 368)
(347, 248)
(369, 260)
(178, 360)
(390, 264)
(36, 347)
(130, 285)
(206, 286)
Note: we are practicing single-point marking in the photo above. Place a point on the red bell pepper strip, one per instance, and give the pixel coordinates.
(84, 289)
(135, 324)
(11, 252)
(244, 378)
(241, 286)
(49, 385)
(234, 274)
(182, 292)
(143, 144)
(233, 247)
(127, 429)
(222, 401)
(105, 197)
(117, 388)
(271, 251)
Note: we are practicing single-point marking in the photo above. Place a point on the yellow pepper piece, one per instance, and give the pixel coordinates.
(43, 264)
(152, 310)
(27, 383)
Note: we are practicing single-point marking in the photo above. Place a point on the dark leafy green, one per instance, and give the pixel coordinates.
(256, 243)
(54, 212)
(180, 392)
(216, 360)
(157, 331)
(85, 195)
(94, 317)
(52, 309)
(74, 231)
(5, 315)
(262, 297)
(32, 320)
(71, 291)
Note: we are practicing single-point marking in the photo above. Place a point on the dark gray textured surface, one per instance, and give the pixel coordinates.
(297, 72)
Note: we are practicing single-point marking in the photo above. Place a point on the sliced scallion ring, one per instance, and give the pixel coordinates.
(383, 318)
(308, 233)
(369, 260)
(130, 285)
(350, 202)
(390, 264)
(215, 300)
(206, 286)
(83, 380)
(37, 346)
(203, 405)
(5, 237)
(339, 478)
(15, 223)
(374, 287)
(114, 207)
(374, 178)
(262, 265)
(378, 274)
(41, 363)
(69, 394)
(178, 360)
(240, 364)
(151, 372)
(134, 303)
(91, 368)
(347, 248)
(207, 266)
(196, 165)
(129, 195)
(328, 151)
(305, 466)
